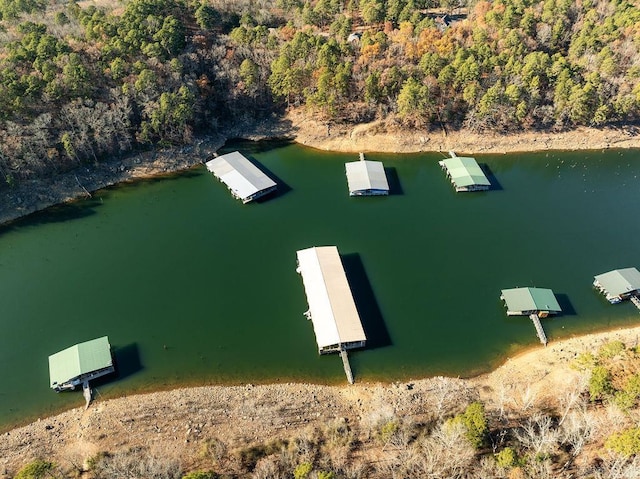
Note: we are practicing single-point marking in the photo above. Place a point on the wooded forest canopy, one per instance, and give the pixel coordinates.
(85, 81)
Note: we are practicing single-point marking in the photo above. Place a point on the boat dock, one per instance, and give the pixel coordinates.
(536, 322)
(346, 365)
(635, 300)
(464, 173)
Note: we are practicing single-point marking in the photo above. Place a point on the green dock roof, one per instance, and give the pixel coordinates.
(465, 171)
(530, 299)
(80, 359)
(620, 281)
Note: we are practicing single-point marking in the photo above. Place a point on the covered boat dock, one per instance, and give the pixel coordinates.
(465, 173)
(366, 178)
(332, 309)
(244, 179)
(79, 364)
(533, 302)
(619, 284)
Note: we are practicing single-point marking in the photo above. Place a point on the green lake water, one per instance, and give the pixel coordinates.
(193, 287)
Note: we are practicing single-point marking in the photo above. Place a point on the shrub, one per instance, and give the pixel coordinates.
(35, 470)
(611, 349)
(200, 475)
(303, 470)
(625, 443)
(474, 422)
(386, 431)
(600, 383)
(507, 458)
(585, 361)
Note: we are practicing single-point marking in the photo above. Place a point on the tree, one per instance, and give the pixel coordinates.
(414, 101)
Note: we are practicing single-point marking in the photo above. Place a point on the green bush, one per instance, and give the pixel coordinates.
(35, 470)
(302, 470)
(474, 422)
(585, 361)
(600, 383)
(200, 475)
(625, 443)
(611, 349)
(507, 458)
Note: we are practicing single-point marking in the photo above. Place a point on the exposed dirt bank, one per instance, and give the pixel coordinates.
(179, 422)
(36, 195)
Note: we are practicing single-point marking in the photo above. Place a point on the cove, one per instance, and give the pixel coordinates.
(193, 287)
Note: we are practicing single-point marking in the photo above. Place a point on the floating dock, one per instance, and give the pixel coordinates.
(366, 178)
(464, 173)
(79, 364)
(244, 179)
(533, 302)
(332, 309)
(619, 284)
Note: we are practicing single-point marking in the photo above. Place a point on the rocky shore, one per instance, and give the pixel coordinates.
(181, 422)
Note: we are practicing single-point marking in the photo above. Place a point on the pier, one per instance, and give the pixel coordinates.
(86, 392)
(635, 300)
(536, 322)
(346, 365)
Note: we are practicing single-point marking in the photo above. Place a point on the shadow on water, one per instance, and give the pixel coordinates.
(56, 214)
(248, 147)
(282, 187)
(127, 361)
(565, 304)
(395, 187)
(495, 184)
(366, 304)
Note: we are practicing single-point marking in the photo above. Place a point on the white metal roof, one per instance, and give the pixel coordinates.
(242, 177)
(333, 311)
(366, 175)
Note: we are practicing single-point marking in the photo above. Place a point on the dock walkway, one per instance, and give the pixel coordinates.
(635, 300)
(536, 322)
(347, 366)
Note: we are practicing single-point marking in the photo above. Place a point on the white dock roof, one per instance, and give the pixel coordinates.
(333, 311)
(241, 176)
(366, 175)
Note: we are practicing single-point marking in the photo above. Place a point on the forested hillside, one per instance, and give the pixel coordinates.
(80, 82)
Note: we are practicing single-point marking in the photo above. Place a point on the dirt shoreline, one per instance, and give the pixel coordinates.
(36, 195)
(181, 420)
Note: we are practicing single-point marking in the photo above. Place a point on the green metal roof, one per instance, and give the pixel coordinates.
(620, 281)
(80, 359)
(530, 299)
(465, 171)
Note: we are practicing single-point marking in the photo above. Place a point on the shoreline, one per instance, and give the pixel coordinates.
(245, 414)
(31, 196)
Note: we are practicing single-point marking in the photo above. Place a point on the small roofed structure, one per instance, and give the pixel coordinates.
(78, 364)
(465, 173)
(366, 178)
(244, 179)
(332, 310)
(619, 284)
(528, 301)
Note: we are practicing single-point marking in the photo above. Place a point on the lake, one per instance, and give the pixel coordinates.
(193, 287)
